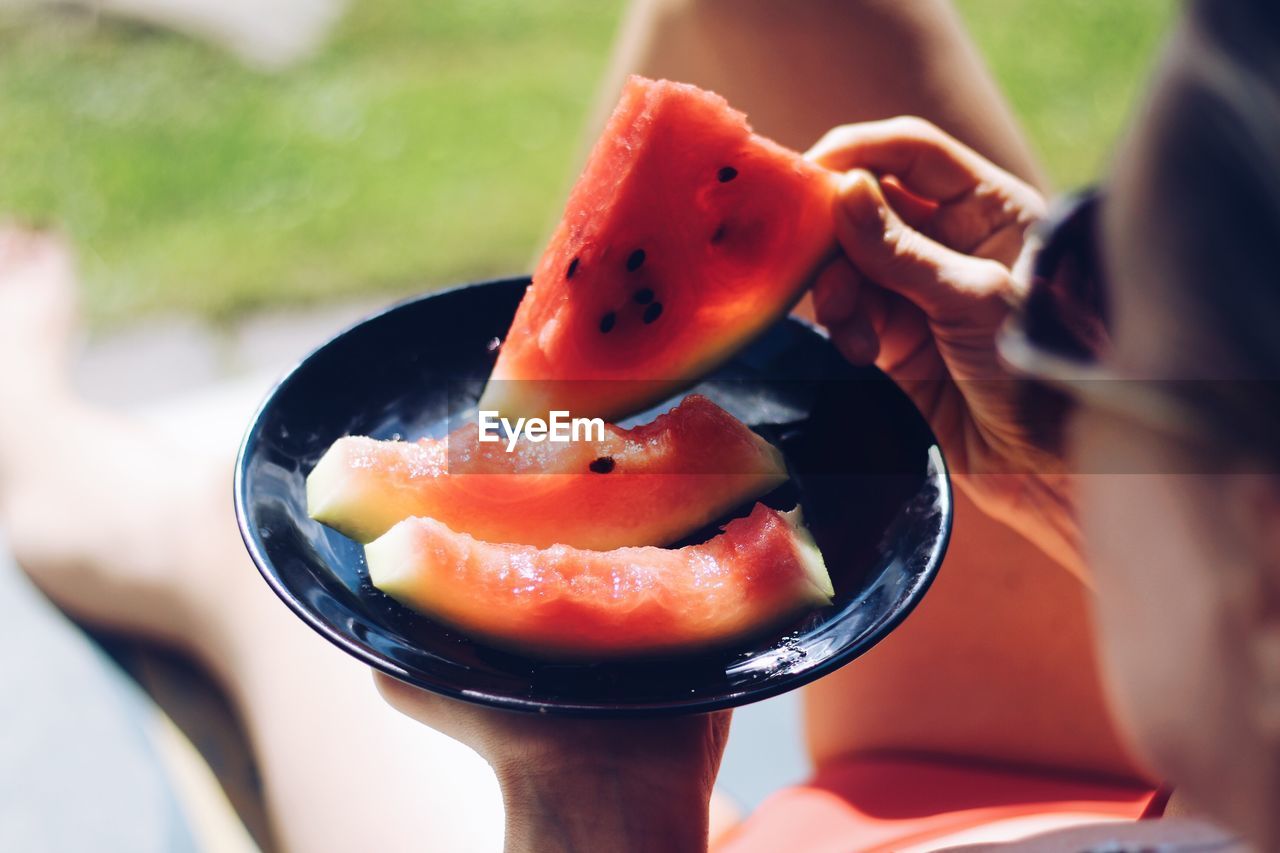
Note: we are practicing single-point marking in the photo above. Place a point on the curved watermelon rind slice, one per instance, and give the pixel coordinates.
(667, 478)
(339, 498)
(810, 556)
(569, 604)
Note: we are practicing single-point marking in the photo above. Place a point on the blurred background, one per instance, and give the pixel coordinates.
(240, 179)
(394, 145)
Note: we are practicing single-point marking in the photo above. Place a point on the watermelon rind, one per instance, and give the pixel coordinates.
(810, 557)
(362, 487)
(402, 562)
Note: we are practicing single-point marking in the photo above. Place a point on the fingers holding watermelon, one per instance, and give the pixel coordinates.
(930, 163)
(930, 230)
(939, 185)
(948, 285)
(924, 218)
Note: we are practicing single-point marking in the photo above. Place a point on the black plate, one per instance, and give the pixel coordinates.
(864, 465)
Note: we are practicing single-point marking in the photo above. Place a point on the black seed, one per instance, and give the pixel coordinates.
(719, 233)
(607, 322)
(653, 312)
(635, 260)
(727, 174)
(603, 465)
(643, 296)
(573, 268)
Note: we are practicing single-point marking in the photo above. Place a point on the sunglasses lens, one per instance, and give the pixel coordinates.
(1066, 307)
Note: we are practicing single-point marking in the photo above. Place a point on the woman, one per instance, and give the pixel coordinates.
(1171, 475)
(153, 549)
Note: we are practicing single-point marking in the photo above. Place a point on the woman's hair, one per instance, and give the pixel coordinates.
(1216, 157)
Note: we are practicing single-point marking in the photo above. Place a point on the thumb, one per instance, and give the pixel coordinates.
(897, 257)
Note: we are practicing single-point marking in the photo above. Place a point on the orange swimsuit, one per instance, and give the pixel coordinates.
(875, 804)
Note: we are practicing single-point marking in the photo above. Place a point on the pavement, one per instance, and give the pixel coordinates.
(152, 363)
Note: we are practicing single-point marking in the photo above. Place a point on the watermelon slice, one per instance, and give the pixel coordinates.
(650, 485)
(685, 237)
(567, 603)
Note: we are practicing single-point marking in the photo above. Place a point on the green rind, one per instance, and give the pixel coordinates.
(345, 499)
(322, 486)
(810, 556)
(385, 558)
(330, 497)
(395, 569)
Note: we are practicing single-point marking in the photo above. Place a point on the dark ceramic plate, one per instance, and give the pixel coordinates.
(864, 465)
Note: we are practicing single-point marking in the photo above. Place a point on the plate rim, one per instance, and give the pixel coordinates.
(675, 707)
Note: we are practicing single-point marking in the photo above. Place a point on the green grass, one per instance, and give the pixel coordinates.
(1072, 70)
(428, 142)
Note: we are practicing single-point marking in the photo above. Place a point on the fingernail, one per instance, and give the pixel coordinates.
(861, 201)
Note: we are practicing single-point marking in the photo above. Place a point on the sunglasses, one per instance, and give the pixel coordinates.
(1060, 336)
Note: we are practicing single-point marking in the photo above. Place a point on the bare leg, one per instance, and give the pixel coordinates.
(800, 68)
(126, 530)
(996, 665)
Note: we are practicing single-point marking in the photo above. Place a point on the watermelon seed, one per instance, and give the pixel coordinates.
(643, 296)
(719, 234)
(635, 260)
(607, 322)
(653, 312)
(603, 465)
(727, 174)
(573, 268)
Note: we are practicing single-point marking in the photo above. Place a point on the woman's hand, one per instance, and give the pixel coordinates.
(581, 784)
(930, 232)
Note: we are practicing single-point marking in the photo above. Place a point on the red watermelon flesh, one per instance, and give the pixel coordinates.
(650, 485)
(684, 238)
(562, 602)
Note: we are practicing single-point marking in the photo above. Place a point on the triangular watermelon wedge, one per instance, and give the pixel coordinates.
(685, 237)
